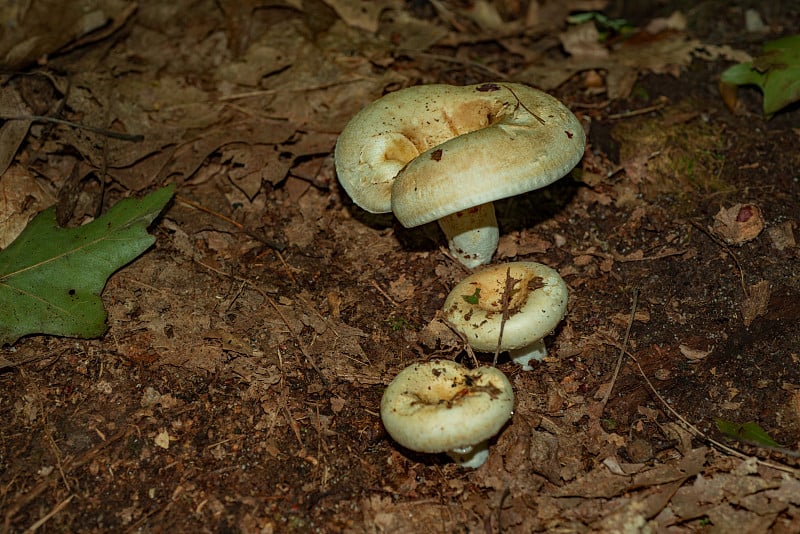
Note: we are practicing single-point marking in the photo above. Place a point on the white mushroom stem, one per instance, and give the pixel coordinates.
(472, 234)
(473, 456)
(523, 356)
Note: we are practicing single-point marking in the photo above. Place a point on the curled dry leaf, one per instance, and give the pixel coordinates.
(738, 224)
(756, 303)
(782, 235)
(694, 354)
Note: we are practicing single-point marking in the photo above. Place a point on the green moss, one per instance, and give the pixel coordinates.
(673, 154)
(397, 323)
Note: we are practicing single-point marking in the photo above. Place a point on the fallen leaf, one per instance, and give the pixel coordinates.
(738, 224)
(776, 71)
(782, 235)
(21, 197)
(757, 301)
(51, 277)
(694, 354)
(12, 132)
(32, 30)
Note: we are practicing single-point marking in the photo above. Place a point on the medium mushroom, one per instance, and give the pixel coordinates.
(536, 303)
(443, 152)
(442, 406)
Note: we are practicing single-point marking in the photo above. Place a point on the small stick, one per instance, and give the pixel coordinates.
(509, 287)
(727, 249)
(699, 434)
(277, 247)
(57, 508)
(384, 294)
(102, 131)
(622, 349)
(635, 112)
(272, 303)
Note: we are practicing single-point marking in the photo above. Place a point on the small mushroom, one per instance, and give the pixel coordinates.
(442, 406)
(535, 302)
(443, 152)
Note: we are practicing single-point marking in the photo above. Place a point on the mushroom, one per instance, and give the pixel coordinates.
(443, 152)
(442, 406)
(536, 303)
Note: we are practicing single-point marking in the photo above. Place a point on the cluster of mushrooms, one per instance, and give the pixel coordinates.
(445, 153)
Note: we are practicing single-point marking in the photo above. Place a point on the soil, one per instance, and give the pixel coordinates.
(238, 386)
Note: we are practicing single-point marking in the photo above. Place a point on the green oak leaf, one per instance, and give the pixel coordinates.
(51, 277)
(750, 432)
(776, 71)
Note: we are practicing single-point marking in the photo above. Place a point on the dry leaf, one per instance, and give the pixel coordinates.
(694, 354)
(364, 14)
(32, 30)
(738, 224)
(21, 197)
(162, 439)
(12, 132)
(756, 303)
(782, 235)
(402, 288)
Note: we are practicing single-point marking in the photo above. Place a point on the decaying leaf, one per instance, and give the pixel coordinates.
(694, 354)
(35, 29)
(738, 224)
(21, 196)
(756, 303)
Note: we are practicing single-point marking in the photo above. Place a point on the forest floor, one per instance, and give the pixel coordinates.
(238, 386)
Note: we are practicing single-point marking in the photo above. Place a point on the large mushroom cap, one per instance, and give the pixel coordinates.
(441, 406)
(537, 303)
(432, 150)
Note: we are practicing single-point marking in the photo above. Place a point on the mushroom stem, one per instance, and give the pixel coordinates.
(523, 355)
(473, 456)
(472, 234)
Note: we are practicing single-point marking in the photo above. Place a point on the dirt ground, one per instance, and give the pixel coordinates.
(238, 386)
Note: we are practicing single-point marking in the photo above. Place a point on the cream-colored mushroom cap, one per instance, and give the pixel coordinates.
(442, 406)
(443, 152)
(537, 303)
(431, 150)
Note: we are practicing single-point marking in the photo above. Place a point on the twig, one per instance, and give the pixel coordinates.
(293, 425)
(25, 499)
(458, 61)
(505, 495)
(102, 131)
(384, 294)
(727, 249)
(636, 112)
(297, 339)
(183, 200)
(526, 108)
(57, 508)
(622, 349)
(271, 244)
(509, 287)
(699, 434)
(272, 303)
